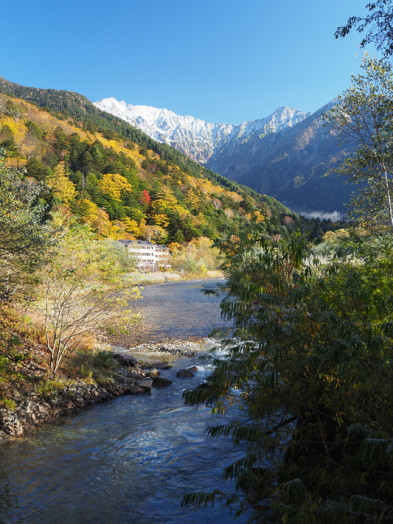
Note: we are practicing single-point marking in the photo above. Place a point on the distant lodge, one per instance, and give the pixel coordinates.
(150, 257)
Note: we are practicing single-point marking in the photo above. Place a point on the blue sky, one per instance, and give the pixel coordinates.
(219, 60)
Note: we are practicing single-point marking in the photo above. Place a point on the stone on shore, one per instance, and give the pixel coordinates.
(31, 409)
(145, 383)
(135, 390)
(10, 423)
(126, 360)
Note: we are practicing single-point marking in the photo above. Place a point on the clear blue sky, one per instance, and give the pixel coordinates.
(219, 60)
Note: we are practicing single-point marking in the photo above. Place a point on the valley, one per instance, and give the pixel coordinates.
(290, 155)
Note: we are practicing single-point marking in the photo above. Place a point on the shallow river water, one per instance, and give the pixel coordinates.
(180, 310)
(129, 460)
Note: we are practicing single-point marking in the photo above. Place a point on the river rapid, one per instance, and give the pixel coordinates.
(129, 460)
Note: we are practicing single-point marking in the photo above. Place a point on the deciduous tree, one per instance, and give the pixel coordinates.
(61, 185)
(25, 239)
(363, 118)
(86, 289)
(377, 25)
(310, 378)
(113, 185)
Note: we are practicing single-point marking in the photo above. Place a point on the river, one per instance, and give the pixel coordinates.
(129, 460)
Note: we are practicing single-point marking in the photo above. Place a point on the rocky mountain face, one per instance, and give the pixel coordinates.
(295, 166)
(196, 138)
(285, 155)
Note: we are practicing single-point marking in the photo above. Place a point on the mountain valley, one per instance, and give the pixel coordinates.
(290, 155)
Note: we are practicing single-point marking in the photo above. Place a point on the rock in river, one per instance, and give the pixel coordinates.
(184, 373)
(161, 382)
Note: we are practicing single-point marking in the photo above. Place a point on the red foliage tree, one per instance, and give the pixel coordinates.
(145, 198)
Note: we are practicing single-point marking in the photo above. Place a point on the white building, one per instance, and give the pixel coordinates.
(150, 257)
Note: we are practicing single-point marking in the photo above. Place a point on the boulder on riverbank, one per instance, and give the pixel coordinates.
(145, 384)
(163, 365)
(126, 360)
(136, 390)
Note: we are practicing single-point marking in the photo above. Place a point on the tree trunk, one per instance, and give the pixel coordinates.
(389, 199)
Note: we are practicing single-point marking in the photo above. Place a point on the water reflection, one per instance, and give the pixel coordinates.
(181, 310)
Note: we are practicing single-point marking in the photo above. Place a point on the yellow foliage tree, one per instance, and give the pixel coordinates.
(202, 220)
(181, 212)
(198, 257)
(258, 217)
(159, 206)
(192, 199)
(132, 227)
(102, 224)
(174, 247)
(333, 237)
(17, 128)
(206, 187)
(234, 196)
(96, 217)
(164, 205)
(61, 185)
(167, 194)
(161, 220)
(113, 185)
(88, 210)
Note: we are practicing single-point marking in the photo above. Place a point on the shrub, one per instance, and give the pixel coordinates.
(103, 360)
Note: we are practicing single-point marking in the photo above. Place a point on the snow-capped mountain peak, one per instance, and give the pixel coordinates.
(195, 137)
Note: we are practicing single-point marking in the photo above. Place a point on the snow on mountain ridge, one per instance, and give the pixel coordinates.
(195, 137)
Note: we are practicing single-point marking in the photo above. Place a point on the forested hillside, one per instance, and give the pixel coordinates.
(114, 177)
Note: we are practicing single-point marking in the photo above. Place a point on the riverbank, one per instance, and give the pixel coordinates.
(31, 396)
(28, 408)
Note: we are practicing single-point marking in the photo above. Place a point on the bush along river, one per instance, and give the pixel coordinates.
(132, 458)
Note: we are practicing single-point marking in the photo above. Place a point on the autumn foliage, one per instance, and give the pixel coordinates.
(123, 189)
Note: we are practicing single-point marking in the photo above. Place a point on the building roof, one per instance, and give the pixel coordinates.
(141, 243)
